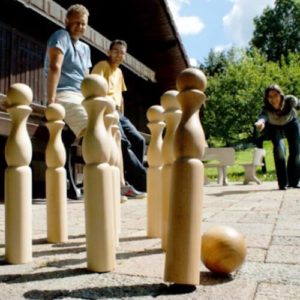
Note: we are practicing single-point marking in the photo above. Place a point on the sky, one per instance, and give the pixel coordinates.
(215, 24)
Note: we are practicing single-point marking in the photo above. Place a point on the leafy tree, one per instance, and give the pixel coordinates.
(217, 61)
(235, 96)
(214, 64)
(277, 30)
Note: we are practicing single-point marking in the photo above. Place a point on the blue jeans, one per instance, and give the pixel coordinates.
(133, 150)
(287, 174)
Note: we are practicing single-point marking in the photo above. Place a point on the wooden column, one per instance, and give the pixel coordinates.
(18, 178)
(99, 213)
(172, 115)
(56, 179)
(182, 265)
(154, 184)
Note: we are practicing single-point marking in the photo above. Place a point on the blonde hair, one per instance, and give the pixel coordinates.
(77, 8)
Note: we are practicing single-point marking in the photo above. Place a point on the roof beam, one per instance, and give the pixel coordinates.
(55, 13)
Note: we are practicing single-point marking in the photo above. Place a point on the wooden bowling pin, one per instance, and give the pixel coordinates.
(18, 178)
(110, 120)
(182, 264)
(154, 188)
(172, 114)
(99, 213)
(56, 181)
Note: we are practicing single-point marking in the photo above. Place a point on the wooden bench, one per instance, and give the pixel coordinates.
(219, 158)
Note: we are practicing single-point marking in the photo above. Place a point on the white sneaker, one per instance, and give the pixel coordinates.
(130, 192)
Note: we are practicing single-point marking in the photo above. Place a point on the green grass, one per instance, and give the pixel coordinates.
(236, 172)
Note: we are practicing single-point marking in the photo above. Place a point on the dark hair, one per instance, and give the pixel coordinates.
(273, 87)
(115, 42)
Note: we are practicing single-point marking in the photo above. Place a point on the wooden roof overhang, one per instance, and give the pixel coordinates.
(155, 51)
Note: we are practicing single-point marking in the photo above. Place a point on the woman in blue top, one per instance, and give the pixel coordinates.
(279, 117)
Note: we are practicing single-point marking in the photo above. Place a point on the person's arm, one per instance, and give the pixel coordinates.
(261, 121)
(56, 58)
(260, 124)
(98, 69)
(294, 102)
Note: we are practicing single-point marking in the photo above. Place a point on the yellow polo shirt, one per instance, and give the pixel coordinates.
(115, 80)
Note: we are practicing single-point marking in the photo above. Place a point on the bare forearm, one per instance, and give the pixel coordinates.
(52, 83)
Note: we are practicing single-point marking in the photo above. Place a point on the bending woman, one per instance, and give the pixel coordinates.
(279, 118)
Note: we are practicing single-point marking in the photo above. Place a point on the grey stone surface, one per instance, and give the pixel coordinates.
(267, 291)
(268, 218)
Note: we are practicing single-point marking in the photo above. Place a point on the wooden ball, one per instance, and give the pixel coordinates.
(19, 94)
(155, 113)
(223, 249)
(169, 101)
(94, 85)
(55, 111)
(191, 78)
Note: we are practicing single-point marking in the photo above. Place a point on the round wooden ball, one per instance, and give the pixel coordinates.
(191, 78)
(94, 85)
(55, 111)
(19, 94)
(223, 249)
(155, 113)
(169, 101)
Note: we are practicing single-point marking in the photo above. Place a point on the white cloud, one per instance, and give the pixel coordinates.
(238, 23)
(193, 62)
(186, 25)
(221, 48)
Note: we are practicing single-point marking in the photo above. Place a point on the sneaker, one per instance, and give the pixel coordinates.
(130, 192)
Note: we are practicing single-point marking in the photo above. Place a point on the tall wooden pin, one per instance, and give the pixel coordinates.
(18, 178)
(110, 121)
(172, 114)
(99, 213)
(154, 187)
(184, 234)
(56, 181)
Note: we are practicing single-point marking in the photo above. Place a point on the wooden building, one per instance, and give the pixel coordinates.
(155, 53)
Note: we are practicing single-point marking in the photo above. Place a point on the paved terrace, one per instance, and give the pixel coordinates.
(269, 218)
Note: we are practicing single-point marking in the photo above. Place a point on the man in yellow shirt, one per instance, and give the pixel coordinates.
(133, 143)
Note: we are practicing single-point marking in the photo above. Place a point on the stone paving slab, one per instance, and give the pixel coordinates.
(268, 218)
(267, 291)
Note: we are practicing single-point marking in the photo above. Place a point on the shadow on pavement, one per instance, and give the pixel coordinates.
(224, 193)
(59, 251)
(127, 255)
(134, 238)
(138, 290)
(22, 278)
(209, 278)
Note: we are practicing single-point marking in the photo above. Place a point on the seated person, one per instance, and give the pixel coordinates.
(133, 143)
(67, 62)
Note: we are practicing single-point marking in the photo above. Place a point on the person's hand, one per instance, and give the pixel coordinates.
(260, 125)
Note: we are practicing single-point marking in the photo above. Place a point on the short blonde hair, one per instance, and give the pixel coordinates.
(77, 8)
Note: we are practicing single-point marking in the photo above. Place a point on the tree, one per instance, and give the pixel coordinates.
(235, 96)
(217, 61)
(277, 30)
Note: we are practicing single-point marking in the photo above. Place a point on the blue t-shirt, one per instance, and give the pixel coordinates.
(76, 63)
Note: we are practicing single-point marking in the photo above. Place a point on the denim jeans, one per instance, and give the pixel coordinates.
(287, 174)
(133, 150)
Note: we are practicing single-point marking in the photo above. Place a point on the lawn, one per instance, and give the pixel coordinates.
(236, 172)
